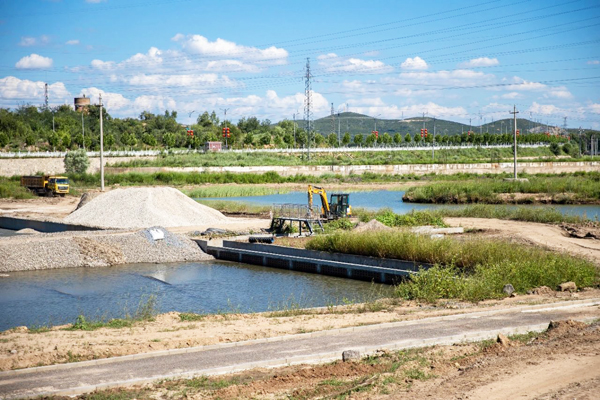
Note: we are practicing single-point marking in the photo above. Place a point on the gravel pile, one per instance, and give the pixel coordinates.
(95, 249)
(142, 208)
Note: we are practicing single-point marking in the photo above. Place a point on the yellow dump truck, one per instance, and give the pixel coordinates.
(46, 185)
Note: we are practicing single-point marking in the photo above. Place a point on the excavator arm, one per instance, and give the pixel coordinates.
(321, 192)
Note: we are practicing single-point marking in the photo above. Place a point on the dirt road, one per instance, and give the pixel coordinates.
(545, 235)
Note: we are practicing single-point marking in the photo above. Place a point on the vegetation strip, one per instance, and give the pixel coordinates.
(574, 188)
(472, 270)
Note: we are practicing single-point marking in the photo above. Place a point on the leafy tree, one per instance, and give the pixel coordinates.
(169, 139)
(417, 139)
(346, 139)
(386, 139)
(148, 139)
(3, 139)
(397, 139)
(109, 140)
(568, 149)
(358, 139)
(76, 162)
(555, 148)
(370, 140)
(408, 138)
(332, 140)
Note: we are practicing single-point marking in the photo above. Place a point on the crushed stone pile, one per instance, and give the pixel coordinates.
(144, 207)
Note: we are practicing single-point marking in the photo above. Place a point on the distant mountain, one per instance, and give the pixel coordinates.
(359, 123)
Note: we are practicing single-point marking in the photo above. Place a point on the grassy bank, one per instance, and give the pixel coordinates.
(577, 188)
(11, 188)
(339, 158)
(471, 270)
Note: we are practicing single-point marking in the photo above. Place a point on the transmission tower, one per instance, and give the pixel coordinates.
(46, 95)
(307, 103)
(565, 125)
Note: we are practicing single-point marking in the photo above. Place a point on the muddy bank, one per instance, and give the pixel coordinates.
(96, 249)
(506, 198)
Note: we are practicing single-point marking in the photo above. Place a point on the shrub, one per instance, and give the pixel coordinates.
(76, 162)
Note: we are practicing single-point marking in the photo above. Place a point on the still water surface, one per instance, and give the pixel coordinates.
(53, 297)
(393, 199)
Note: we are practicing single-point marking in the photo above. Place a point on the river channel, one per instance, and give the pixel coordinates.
(54, 297)
(377, 199)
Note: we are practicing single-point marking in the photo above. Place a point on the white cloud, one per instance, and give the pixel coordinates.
(560, 92)
(197, 44)
(595, 108)
(544, 109)
(27, 41)
(511, 95)
(34, 61)
(526, 85)
(72, 42)
(327, 56)
(457, 77)
(480, 62)
(593, 62)
(112, 101)
(416, 63)
(103, 65)
(14, 89)
(332, 63)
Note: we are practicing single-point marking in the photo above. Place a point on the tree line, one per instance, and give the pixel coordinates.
(62, 128)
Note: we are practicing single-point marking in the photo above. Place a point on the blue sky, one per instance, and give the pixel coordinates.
(460, 60)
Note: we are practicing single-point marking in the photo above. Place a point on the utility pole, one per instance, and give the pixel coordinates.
(514, 113)
(480, 123)
(339, 126)
(333, 122)
(101, 147)
(433, 142)
(294, 130)
(82, 128)
(579, 142)
(46, 96)
(307, 103)
(225, 122)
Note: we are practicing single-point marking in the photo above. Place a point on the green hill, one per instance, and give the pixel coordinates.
(355, 123)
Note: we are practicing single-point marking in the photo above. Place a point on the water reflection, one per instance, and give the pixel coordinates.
(58, 296)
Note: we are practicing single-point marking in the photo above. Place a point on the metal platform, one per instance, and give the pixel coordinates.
(301, 213)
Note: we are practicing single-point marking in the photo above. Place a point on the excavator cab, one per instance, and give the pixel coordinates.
(337, 207)
(340, 205)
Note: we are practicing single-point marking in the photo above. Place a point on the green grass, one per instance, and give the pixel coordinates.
(563, 189)
(11, 188)
(146, 311)
(235, 207)
(191, 317)
(413, 218)
(548, 215)
(471, 270)
(350, 158)
(234, 191)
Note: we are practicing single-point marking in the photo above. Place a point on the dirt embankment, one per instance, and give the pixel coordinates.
(22, 348)
(561, 363)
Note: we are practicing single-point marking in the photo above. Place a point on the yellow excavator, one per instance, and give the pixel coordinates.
(338, 205)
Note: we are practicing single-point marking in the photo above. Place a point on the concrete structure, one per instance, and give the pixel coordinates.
(349, 266)
(17, 224)
(52, 166)
(81, 103)
(399, 169)
(213, 146)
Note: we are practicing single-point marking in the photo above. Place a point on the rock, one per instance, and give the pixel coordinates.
(543, 291)
(508, 289)
(13, 351)
(349, 355)
(503, 340)
(21, 329)
(567, 286)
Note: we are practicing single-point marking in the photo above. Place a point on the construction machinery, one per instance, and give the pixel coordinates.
(46, 185)
(338, 205)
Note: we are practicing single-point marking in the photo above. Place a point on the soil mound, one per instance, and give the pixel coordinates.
(372, 225)
(142, 208)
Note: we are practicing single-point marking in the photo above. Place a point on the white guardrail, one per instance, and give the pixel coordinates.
(141, 153)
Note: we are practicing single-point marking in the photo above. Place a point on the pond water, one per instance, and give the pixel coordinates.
(53, 297)
(393, 199)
